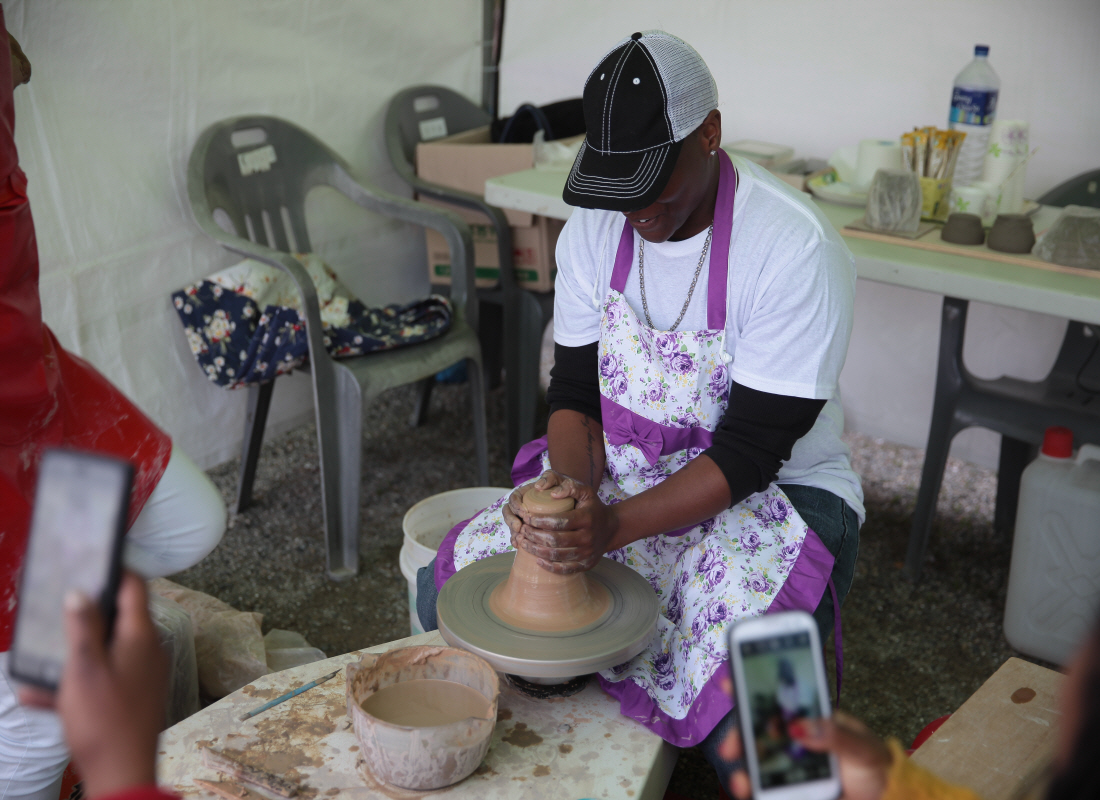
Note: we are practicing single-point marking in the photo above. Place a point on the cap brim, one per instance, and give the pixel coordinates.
(619, 182)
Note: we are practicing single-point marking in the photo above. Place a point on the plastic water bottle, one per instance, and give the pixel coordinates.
(973, 107)
(1054, 579)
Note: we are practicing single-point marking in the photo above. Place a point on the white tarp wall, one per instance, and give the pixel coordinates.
(119, 93)
(820, 75)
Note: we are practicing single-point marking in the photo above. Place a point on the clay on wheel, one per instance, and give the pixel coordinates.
(536, 599)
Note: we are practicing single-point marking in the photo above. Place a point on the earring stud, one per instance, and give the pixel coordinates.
(712, 152)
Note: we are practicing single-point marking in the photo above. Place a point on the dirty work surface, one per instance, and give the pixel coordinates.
(912, 653)
(578, 746)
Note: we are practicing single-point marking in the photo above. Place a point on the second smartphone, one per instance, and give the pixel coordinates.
(779, 676)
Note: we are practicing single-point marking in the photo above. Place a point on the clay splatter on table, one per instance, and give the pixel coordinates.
(520, 736)
(1023, 695)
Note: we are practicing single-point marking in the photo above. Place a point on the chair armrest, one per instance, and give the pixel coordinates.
(453, 228)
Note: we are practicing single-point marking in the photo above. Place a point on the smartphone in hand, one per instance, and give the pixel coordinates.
(75, 542)
(779, 676)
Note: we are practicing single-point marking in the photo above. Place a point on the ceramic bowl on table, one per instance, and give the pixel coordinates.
(963, 229)
(423, 757)
(1012, 233)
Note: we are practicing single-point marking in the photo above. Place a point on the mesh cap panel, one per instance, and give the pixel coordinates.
(688, 83)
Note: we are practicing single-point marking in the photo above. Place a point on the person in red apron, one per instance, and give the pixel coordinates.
(702, 315)
(50, 397)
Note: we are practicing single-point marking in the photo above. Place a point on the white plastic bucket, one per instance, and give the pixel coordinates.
(426, 524)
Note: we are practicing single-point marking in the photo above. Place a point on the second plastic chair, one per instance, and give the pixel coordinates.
(526, 313)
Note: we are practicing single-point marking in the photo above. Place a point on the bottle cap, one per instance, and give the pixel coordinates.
(1058, 443)
(981, 49)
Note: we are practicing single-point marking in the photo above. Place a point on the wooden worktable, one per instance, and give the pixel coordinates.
(571, 747)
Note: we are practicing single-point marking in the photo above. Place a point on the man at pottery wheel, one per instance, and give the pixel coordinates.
(702, 317)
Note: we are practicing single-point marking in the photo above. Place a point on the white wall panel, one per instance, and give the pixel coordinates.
(121, 90)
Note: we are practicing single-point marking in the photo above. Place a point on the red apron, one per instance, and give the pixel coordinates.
(47, 396)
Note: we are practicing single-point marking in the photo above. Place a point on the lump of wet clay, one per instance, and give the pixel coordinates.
(534, 598)
(541, 501)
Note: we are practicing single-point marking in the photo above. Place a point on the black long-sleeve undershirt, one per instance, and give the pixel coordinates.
(753, 439)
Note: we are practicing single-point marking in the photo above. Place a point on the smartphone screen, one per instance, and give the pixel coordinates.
(79, 515)
(781, 686)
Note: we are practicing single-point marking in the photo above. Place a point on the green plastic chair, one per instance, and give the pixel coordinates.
(525, 313)
(247, 181)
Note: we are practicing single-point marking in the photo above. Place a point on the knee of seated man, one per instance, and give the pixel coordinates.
(182, 522)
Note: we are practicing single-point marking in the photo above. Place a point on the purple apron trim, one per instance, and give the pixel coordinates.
(623, 426)
(720, 243)
(528, 463)
(624, 257)
(808, 578)
(802, 590)
(838, 641)
(445, 555)
(709, 707)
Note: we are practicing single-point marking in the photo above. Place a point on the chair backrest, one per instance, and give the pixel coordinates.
(247, 182)
(422, 113)
(1083, 190)
(250, 176)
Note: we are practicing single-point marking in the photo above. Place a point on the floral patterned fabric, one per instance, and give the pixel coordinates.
(710, 575)
(244, 324)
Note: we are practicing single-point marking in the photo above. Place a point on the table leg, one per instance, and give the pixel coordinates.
(949, 386)
(1015, 455)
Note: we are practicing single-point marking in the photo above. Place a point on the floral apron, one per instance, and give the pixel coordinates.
(662, 395)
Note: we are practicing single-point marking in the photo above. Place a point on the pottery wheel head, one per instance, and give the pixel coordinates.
(623, 631)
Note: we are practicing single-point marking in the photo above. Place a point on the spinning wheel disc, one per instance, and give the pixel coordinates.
(624, 630)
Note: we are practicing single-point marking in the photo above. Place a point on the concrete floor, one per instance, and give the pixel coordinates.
(912, 652)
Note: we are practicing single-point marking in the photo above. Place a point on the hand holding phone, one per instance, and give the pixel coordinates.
(779, 680)
(111, 698)
(75, 543)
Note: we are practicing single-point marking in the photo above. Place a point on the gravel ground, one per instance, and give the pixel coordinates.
(912, 652)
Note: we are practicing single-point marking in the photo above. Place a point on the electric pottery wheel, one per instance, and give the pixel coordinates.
(543, 627)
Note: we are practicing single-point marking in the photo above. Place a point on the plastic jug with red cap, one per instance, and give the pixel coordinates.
(1054, 580)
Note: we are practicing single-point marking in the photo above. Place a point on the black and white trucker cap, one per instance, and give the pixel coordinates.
(640, 101)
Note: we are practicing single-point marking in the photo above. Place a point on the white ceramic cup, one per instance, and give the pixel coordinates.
(973, 200)
(873, 155)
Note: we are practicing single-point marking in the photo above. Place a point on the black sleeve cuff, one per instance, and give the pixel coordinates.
(574, 380)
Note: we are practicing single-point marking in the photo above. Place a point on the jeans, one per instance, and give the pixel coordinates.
(835, 523)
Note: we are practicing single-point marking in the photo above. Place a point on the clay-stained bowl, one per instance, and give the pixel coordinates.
(421, 758)
(963, 229)
(1012, 233)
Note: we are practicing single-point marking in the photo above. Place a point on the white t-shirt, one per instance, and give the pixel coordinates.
(790, 293)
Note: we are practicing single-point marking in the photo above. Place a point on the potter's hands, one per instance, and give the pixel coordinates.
(573, 541)
(111, 698)
(864, 758)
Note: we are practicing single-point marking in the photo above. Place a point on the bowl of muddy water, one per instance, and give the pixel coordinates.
(424, 716)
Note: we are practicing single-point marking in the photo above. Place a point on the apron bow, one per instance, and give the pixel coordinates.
(623, 427)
